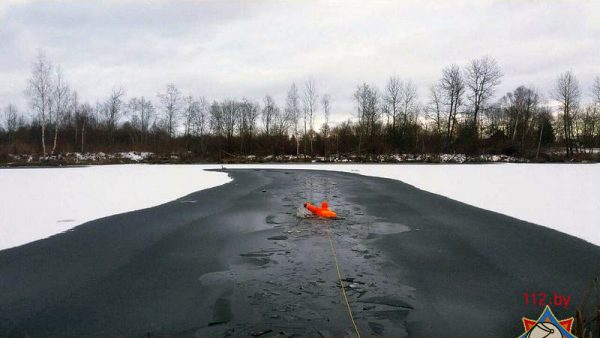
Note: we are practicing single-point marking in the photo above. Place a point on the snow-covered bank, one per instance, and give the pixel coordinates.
(564, 197)
(39, 202)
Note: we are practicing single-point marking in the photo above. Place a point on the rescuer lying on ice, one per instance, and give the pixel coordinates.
(323, 211)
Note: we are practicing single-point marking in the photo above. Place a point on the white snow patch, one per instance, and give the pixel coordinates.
(136, 156)
(39, 202)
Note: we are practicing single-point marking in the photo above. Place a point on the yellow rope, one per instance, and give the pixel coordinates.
(337, 267)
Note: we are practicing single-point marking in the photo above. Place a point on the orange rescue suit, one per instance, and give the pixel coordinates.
(323, 211)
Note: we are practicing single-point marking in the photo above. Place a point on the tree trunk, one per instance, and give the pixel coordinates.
(565, 129)
(537, 154)
(82, 135)
(304, 141)
(359, 142)
(55, 138)
(44, 139)
(450, 118)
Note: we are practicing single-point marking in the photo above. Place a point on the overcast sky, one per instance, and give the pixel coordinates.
(221, 49)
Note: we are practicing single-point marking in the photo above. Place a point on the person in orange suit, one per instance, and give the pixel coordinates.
(323, 211)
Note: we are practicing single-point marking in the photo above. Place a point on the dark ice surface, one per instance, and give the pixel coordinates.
(243, 259)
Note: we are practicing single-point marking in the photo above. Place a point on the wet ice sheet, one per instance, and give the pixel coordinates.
(284, 278)
(563, 197)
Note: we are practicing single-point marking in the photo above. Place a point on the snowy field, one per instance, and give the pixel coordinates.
(37, 203)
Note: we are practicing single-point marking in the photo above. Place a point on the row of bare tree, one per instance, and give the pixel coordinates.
(461, 114)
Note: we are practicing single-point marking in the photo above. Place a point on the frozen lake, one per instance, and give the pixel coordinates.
(40, 202)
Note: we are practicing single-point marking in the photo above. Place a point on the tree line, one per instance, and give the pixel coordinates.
(461, 114)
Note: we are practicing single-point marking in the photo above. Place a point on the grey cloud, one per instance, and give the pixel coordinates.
(249, 48)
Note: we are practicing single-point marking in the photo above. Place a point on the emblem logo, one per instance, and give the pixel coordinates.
(547, 326)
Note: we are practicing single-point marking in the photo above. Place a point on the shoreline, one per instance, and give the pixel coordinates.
(100, 158)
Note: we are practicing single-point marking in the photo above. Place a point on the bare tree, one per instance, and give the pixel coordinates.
(292, 108)
(326, 128)
(435, 108)
(595, 113)
(75, 110)
(367, 104)
(217, 124)
(520, 107)
(171, 102)
(144, 111)
(83, 115)
(596, 90)
(387, 112)
(11, 119)
(201, 119)
(408, 101)
(543, 117)
(249, 112)
(39, 92)
(453, 87)
(223, 121)
(268, 114)
(216, 120)
(69, 114)
(61, 99)
(589, 120)
(392, 97)
(567, 93)
(191, 109)
(230, 109)
(482, 76)
(113, 111)
(281, 126)
(310, 106)
(326, 104)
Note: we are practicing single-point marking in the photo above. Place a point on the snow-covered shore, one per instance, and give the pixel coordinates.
(37, 203)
